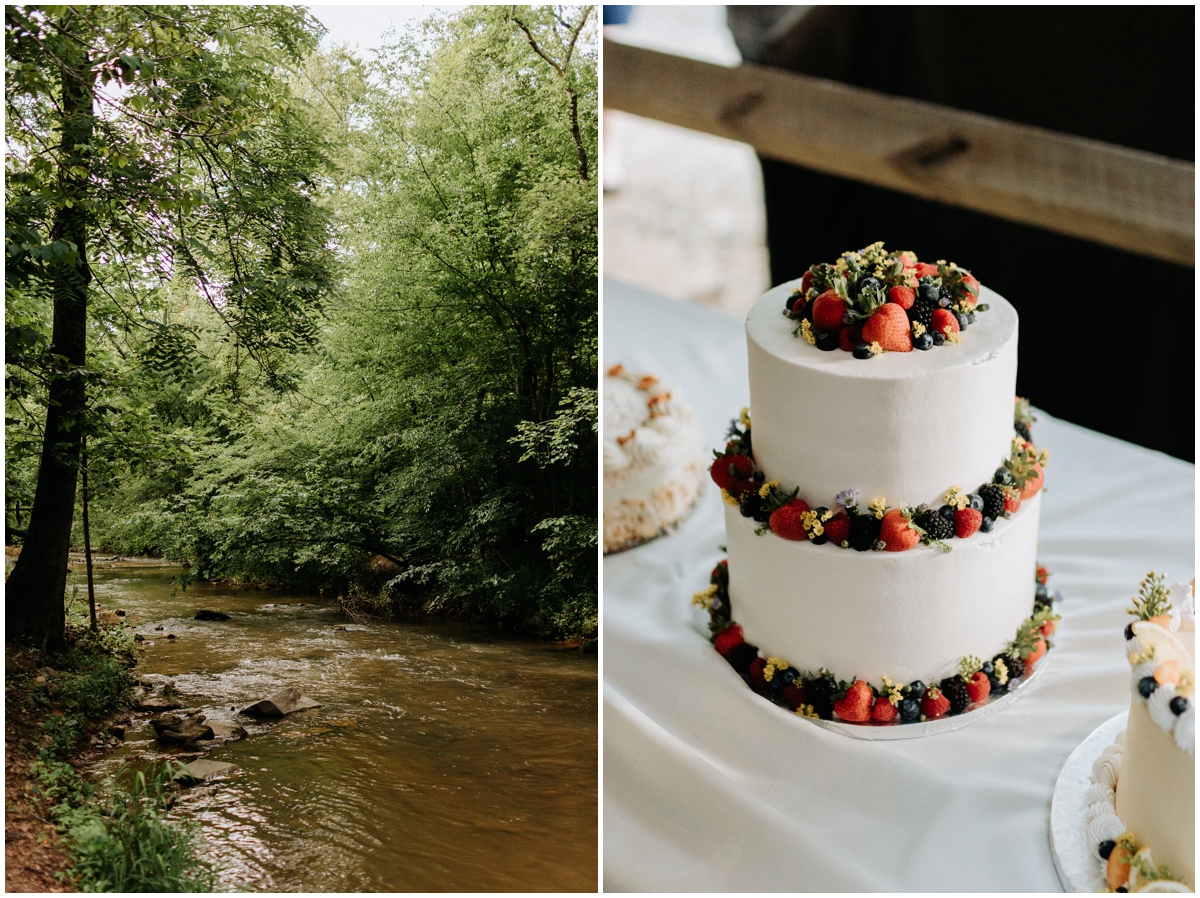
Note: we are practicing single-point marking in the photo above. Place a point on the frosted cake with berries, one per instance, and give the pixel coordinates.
(882, 512)
(1141, 817)
(654, 459)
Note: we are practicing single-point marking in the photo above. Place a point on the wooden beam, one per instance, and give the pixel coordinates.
(1113, 195)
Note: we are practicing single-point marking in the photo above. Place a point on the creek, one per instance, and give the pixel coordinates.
(446, 757)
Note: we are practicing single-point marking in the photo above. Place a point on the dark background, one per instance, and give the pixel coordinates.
(1107, 337)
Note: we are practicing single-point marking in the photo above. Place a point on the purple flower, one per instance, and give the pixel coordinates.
(716, 603)
(943, 301)
(847, 318)
(847, 498)
(1014, 683)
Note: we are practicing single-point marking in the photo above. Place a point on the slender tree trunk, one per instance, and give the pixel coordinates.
(34, 593)
(87, 541)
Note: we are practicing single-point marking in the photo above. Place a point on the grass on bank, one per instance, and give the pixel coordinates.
(118, 838)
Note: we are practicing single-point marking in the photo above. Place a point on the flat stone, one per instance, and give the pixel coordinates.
(158, 705)
(226, 731)
(202, 770)
(210, 615)
(286, 701)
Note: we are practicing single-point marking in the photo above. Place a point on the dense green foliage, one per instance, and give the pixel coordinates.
(443, 421)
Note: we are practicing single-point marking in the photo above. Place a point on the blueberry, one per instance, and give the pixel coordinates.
(869, 283)
(938, 338)
(1122, 889)
(863, 351)
(750, 505)
(987, 524)
(791, 301)
(976, 501)
(947, 511)
(927, 292)
(923, 342)
(788, 676)
(1042, 592)
(910, 709)
(917, 690)
(1146, 686)
(827, 342)
(1178, 704)
(962, 321)
(998, 688)
(970, 317)
(988, 668)
(762, 514)
(1128, 632)
(1003, 476)
(1106, 848)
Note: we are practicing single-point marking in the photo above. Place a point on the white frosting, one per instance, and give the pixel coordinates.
(1105, 769)
(904, 426)
(1102, 829)
(1099, 792)
(910, 615)
(1099, 809)
(1159, 706)
(1184, 730)
(654, 459)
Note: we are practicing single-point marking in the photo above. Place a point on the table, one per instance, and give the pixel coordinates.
(708, 787)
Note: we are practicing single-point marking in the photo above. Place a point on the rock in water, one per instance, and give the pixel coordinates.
(210, 615)
(175, 730)
(286, 701)
(199, 771)
(226, 731)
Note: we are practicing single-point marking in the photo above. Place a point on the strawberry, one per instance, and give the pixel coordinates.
(1033, 483)
(757, 681)
(785, 521)
(1035, 656)
(967, 521)
(732, 472)
(806, 282)
(889, 328)
(1042, 575)
(855, 706)
(849, 337)
(944, 322)
(926, 269)
(883, 711)
(794, 694)
(1012, 501)
(979, 686)
(904, 297)
(897, 533)
(828, 312)
(934, 704)
(837, 528)
(728, 639)
(1048, 627)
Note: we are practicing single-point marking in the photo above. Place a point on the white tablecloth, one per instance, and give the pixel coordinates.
(708, 787)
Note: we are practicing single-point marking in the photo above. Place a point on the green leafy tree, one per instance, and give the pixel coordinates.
(147, 144)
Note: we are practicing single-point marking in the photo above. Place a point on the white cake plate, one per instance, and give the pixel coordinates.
(889, 732)
(1078, 868)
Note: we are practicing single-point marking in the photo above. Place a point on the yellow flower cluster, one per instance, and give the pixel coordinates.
(878, 506)
(810, 522)
(744, 417)
(956, 497)
(918, 328)
(1186, 685)
(1001, 671)
(705, 596)
(807, 711)
(765, 489)
(891, 691)
(806, 332)
(1141, 657)
(953, 337)
(773, 664)
(876, 349)
(730, 498)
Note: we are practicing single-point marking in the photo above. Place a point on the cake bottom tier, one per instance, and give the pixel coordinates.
(1156, 793)
(907, 615)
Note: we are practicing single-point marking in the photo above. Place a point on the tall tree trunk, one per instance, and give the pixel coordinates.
(35, 591)
(87, 541)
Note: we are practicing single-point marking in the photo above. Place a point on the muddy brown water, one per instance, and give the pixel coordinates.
(445, 757)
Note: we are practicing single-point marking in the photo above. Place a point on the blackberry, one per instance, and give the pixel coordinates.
(819, 692)
(1023, 429)
(934, 525)
(993, 500)
(752, 505)
(922, 311)
(742, 656)
(1016, 667)
(864, 531)
(955, 689)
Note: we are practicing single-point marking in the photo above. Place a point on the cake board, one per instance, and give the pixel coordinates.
(1078, 869)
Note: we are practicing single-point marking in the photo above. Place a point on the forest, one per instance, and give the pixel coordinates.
(302, 321)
